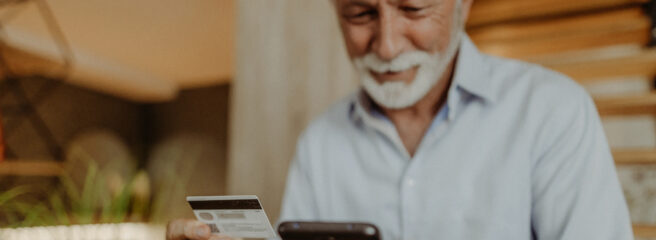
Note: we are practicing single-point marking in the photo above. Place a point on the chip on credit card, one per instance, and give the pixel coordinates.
(233, 216)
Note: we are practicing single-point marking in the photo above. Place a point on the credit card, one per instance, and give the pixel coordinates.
(233, 216)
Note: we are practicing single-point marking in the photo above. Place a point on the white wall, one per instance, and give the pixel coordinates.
(291, 66)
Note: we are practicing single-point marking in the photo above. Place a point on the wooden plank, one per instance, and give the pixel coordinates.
(602, 21)
(596, 66)
(644, 231)
(30, 168)
(486, 12)
(627, 105)
(589, 31)
(634, 156)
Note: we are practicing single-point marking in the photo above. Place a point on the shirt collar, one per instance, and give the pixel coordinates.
(471, 75)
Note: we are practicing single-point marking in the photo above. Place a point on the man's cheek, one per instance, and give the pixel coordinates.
(431, 41)
(357, 39)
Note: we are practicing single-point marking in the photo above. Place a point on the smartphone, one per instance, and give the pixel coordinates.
(328, 231)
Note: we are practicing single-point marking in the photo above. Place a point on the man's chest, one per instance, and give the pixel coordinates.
(458, 188)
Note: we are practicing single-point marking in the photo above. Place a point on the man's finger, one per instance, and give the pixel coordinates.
(196, 230)
(182, 229)
(220, 237)
(175, 230)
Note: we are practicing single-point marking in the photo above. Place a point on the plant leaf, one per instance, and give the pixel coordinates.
(59, 209)
(88, 196)
(120, 204)
(14, 192)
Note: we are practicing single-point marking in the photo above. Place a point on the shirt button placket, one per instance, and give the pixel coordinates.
(409, 191)
(410, 183)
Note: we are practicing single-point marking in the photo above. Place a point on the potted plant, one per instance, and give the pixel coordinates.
(103, 206)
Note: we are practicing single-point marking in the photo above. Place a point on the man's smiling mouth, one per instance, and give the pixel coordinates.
(394, 75)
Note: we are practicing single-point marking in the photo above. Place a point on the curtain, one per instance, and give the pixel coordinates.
(291, 66)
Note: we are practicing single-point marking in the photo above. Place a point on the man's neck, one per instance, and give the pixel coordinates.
(413, 122)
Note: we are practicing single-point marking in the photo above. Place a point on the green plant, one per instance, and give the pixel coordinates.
(93, 202)
(99, 195)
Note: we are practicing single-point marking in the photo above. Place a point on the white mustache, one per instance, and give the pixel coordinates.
(401, 63)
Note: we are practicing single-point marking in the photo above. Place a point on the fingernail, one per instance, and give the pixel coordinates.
(202, 232)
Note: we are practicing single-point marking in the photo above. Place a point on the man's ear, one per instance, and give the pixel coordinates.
(466, 6)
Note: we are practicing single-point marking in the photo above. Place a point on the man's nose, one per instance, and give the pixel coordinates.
(389, 40)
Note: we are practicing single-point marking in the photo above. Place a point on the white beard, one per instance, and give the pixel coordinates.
(430, 69)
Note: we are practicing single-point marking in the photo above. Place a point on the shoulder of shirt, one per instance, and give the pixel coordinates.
(535, 84)
(548, 101)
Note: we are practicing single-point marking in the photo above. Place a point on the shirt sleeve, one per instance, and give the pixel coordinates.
(299, 203)
(575, 189)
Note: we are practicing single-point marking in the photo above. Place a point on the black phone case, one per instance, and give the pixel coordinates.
(328, 231)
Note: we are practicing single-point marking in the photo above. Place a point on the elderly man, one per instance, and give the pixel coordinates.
(443, 142)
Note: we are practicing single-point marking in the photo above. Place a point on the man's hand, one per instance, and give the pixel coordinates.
(182, 229)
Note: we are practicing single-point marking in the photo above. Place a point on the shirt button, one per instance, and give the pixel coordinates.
(410, 182)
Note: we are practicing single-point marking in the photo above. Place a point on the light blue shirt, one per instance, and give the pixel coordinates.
(517, 153)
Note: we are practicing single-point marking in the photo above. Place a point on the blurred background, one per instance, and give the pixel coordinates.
(114, 111)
